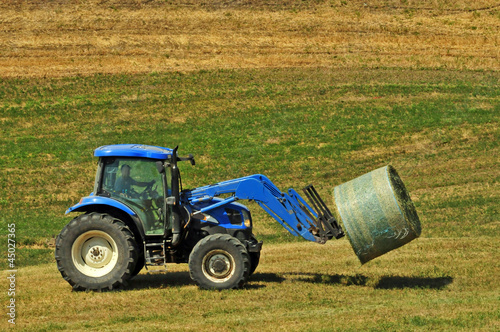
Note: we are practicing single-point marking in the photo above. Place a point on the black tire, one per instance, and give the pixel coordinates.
(140, 264)
(219, 261)
(96, 252)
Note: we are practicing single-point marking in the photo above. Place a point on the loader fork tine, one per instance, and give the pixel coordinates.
(325, 222)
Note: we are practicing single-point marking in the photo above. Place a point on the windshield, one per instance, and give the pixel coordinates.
(129, 177)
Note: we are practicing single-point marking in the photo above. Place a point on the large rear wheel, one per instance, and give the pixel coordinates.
(96, 252)
(219, 261)
(140, 264)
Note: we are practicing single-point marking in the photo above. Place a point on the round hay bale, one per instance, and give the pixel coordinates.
(377, 213)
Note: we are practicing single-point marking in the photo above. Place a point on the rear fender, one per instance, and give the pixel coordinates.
(101, 204)
(99, 200)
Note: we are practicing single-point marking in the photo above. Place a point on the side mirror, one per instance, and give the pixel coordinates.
(160, 167)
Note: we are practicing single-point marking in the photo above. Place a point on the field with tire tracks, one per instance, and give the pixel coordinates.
(304, 92)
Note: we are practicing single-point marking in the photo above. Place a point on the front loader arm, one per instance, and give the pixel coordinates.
(289, 209)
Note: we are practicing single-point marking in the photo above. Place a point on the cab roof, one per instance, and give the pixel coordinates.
(133, 150)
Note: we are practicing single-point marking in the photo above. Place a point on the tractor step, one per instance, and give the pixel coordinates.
(325, 222)
(154, 254)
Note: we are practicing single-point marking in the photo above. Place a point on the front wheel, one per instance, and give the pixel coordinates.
(219, 261)
(96, 252)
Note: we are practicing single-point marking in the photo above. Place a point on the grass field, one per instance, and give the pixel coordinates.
(305, 92)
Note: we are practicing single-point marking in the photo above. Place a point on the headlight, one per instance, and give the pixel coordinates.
(209, 218)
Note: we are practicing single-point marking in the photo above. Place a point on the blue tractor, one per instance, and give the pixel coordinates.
(139, 215)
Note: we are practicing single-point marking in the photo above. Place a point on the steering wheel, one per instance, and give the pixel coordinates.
(148, 191)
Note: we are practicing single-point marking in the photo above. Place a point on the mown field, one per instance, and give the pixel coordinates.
(317, 92)
(63, 38)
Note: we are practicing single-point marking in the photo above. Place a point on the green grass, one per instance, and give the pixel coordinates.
(440, 129)
(296, 126)
(426, 285)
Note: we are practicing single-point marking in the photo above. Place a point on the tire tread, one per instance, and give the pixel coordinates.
(80, 282)
(211, 240)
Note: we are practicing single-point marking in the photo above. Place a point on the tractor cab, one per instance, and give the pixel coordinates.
(140, 177)
(137, 183)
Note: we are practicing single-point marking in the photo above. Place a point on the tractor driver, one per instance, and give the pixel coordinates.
(125, 182)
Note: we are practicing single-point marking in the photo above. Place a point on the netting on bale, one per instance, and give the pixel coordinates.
(377, 213)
